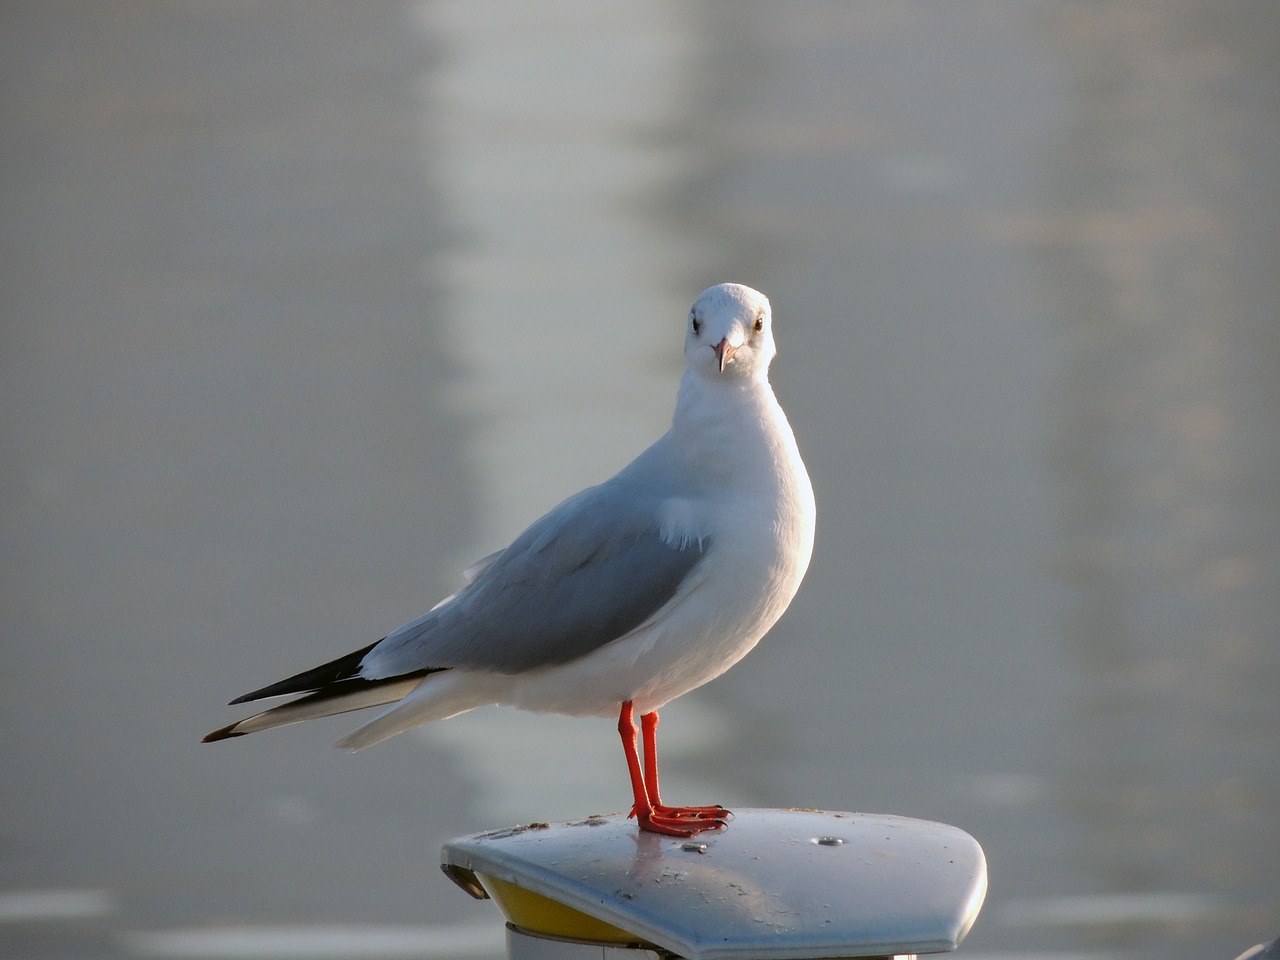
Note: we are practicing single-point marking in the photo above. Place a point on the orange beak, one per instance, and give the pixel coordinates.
(724, 352)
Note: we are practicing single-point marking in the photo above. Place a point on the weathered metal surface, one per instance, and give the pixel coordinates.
(775, 885)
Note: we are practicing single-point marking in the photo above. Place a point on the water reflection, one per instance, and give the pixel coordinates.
(543, 126)
(224, 376)
(300, 298)
(1167, 447)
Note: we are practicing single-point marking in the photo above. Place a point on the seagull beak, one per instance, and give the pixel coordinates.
(724, 352)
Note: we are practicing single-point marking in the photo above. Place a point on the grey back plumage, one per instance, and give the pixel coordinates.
(590, 571)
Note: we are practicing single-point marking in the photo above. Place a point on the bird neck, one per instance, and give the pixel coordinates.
(722, 424)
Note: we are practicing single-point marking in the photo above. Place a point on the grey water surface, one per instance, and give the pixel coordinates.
(306, 306)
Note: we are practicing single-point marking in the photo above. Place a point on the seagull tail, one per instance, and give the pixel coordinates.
(317, 678)
(447, 694)
(339, 697)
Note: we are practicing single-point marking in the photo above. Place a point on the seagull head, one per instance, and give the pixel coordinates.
(730, 333)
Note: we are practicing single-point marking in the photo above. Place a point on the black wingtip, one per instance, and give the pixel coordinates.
(343, 668)
(225, 733)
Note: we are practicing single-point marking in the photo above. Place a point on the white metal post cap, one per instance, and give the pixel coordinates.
(774, 885)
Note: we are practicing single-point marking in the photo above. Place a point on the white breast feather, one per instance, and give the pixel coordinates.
(678, 523)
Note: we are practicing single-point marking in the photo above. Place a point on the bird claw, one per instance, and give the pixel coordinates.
(680, 826)
(684, 821)
(713, 812)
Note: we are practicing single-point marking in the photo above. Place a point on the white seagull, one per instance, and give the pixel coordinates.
(623, 597)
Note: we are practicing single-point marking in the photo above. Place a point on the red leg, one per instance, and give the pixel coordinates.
(649, 725)
(673, 821)
(627, 730)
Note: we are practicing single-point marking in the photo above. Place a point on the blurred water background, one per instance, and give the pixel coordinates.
(307, 305)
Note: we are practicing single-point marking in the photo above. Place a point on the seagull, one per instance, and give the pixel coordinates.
(626, 595)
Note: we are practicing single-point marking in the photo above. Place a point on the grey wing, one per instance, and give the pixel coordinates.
(587, 573)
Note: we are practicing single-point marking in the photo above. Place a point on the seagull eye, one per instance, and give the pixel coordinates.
(759, 322)
(697, 326)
